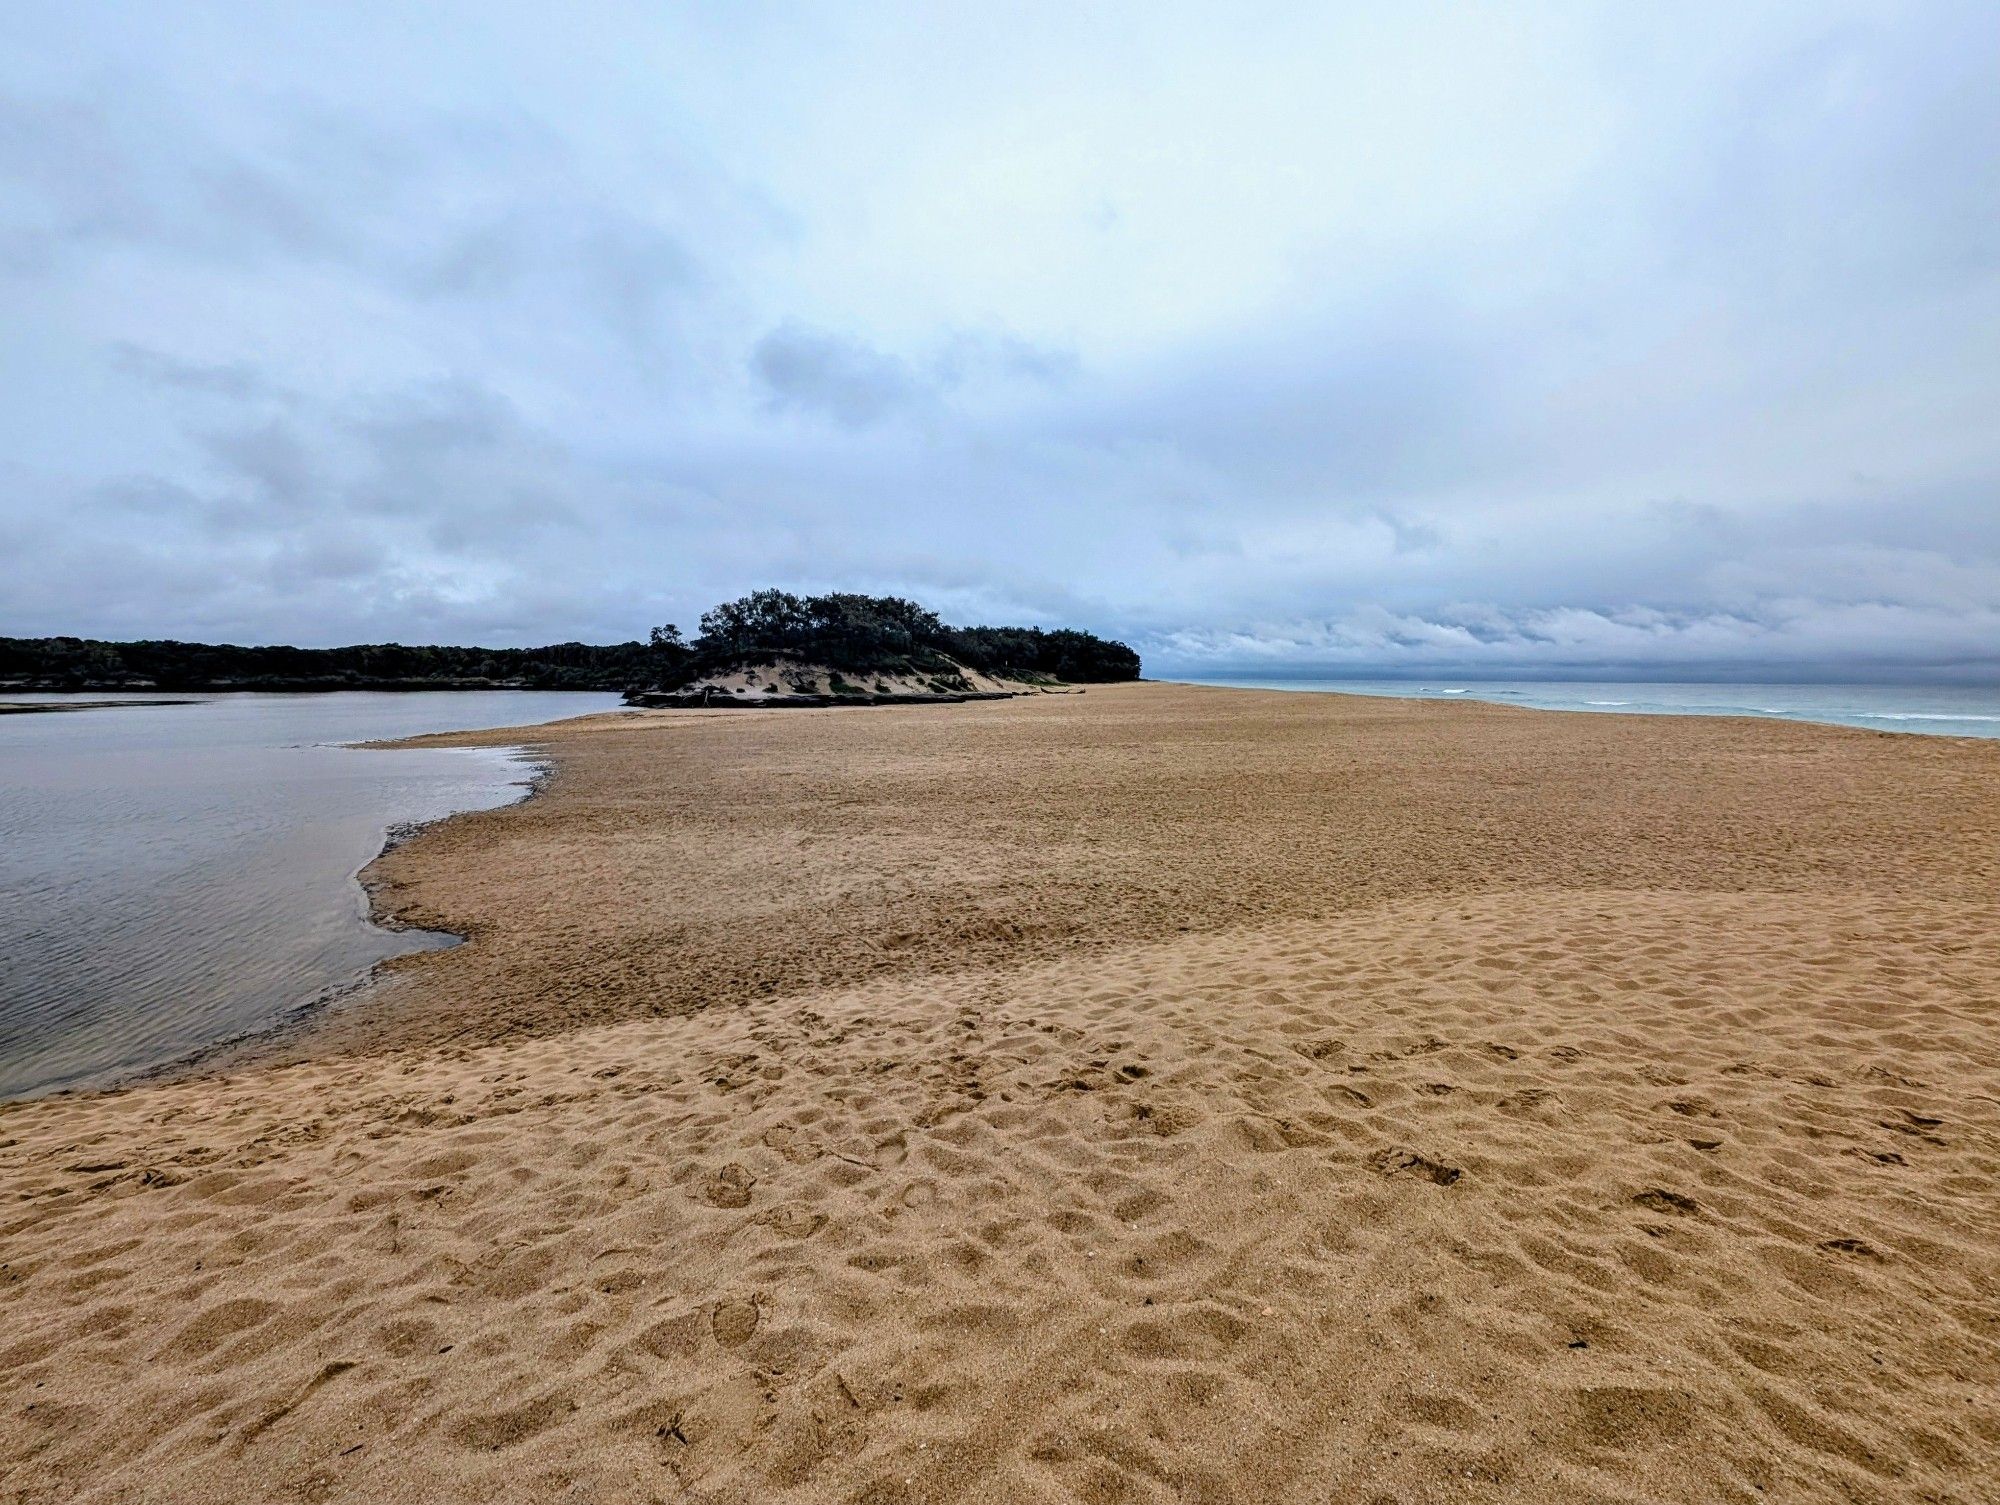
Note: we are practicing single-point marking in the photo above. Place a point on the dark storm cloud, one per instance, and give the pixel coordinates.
(1431, 339)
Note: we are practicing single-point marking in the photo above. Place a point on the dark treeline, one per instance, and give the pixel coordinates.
(87, 664)
(877, 634)
(880, 634)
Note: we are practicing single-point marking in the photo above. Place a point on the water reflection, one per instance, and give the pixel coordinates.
(171, 875)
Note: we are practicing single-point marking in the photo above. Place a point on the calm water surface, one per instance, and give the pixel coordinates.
(175, 875)
(1945, 710)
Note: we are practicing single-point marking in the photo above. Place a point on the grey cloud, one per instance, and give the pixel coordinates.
(261, 207)
(144, 496)
(64, 180)
(1412, 535)
(477, 210)
(93, 175)
(1808, 639)
(406, 426)
(239, 380)
(803, 369)
(272, 460)
(806, 370)
(970, 356)
(339, 555)
(637, 270)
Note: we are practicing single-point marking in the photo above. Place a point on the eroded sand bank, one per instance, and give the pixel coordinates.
(1162, 1094)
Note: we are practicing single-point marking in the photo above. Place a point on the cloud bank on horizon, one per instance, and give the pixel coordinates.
(1427, 337)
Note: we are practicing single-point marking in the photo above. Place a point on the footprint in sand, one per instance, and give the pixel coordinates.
(790, 1143)
(733, 1323)
(794, 1221)
(1693, 1107)
(729, 1187)
(1164, 1119)
(1655, 1199)
(1405, 1162)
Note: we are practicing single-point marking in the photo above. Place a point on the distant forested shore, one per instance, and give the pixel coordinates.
(859, 634)
(91, 664)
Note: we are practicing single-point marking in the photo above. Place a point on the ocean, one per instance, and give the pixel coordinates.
(1941, 710)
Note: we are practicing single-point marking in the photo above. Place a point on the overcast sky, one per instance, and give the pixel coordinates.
(1482, 337)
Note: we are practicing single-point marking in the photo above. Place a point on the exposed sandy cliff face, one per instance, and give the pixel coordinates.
(784, 681)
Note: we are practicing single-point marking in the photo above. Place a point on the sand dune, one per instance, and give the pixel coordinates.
(1299, 1099)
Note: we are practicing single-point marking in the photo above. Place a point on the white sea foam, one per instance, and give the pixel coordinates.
(1835, 704)
(1918, 716)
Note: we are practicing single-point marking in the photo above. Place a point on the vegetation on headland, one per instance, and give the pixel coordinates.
(848, 634)
(874, 636)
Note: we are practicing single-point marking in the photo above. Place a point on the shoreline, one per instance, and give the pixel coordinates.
(29, 708)
(250, 1048)
(1154, 1094)
(292, 1036)
(247, 1047)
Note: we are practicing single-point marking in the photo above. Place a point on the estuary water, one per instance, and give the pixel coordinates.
(175, 875)
(1945, 710)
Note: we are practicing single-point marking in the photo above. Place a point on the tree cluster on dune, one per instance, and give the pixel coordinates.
(876, 635)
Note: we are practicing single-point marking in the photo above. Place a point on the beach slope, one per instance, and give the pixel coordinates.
(1160, 1094)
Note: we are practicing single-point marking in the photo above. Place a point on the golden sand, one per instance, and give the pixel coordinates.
(1157, 1095)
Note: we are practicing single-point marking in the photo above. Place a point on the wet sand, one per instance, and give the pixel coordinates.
(1164, 1094)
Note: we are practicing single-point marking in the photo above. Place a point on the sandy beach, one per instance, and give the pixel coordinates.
(1161, 1094)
